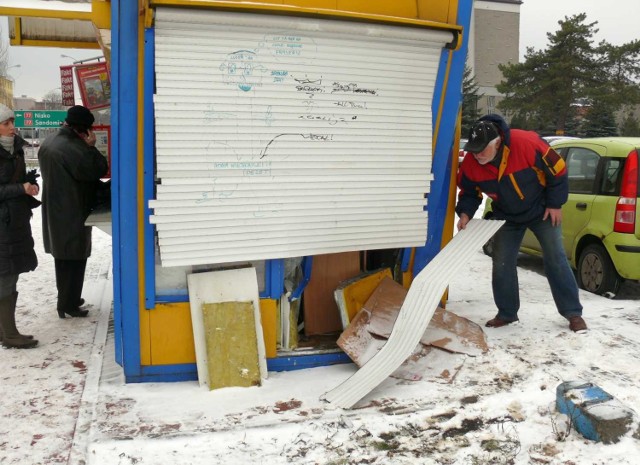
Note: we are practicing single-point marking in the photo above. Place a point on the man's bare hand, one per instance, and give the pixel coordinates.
(462, 222)
(555, 214)
(90, 138)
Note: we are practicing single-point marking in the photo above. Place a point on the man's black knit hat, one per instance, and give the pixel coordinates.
(79, 116)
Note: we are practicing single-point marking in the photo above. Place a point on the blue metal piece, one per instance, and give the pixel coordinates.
(594, 412)
(149, 152)
(589, 393)
(307, 262)
(166, 373)
(301, 362)
(406, 260)
(189, 371)
(124, 116)
(438, 197)
(115, 177)
(274, 279)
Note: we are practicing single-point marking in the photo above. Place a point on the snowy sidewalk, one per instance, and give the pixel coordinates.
(65, 402)
(499, 409)
(42, 388)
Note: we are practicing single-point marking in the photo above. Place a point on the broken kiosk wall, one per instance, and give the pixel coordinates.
(166, 89)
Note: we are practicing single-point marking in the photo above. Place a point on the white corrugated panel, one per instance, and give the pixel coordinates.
(280, 136)
(417, 310)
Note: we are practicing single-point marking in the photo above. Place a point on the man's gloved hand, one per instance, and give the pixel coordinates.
(32, 176)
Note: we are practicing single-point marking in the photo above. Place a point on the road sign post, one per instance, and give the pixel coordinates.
(39, 118)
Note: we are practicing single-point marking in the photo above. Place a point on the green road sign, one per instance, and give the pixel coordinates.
(39, 118)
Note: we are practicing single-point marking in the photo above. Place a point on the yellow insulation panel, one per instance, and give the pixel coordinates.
(232, 350)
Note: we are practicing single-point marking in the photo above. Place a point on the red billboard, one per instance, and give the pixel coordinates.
(94, 84)
(66, 86)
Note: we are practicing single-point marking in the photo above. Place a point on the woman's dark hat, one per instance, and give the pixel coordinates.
(79, 116)
(481, 133)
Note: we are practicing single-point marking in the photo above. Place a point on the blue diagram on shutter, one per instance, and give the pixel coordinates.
(243, 69)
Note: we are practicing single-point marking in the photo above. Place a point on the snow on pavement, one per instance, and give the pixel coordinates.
(499, 409)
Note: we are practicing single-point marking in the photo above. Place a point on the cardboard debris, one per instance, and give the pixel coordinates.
(357, 342)
(370, 328)
(430, 363)
(351, 294)
(361, 345)
(455, 334)
(446, 330)
(384, 306)
(418, 308)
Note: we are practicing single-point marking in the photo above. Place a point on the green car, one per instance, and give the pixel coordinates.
(600, 227)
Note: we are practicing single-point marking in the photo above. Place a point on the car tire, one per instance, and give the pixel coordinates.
(596, 272)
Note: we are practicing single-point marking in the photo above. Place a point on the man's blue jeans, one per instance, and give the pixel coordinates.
(556, 266)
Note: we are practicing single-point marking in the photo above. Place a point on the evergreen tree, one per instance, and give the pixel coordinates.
(630, 126)
(543, 90)
(600, 121)
(470, 97)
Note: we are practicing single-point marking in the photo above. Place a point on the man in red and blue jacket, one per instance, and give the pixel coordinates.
(527, 182)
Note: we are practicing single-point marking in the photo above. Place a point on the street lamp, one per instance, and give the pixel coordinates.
(76, 61)
(5, 72)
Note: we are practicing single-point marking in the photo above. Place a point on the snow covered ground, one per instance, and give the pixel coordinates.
(65, 401)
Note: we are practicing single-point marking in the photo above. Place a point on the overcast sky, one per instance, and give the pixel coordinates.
(617, 20)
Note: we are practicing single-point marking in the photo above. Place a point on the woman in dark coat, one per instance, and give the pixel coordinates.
(71, 169)
(17, 189)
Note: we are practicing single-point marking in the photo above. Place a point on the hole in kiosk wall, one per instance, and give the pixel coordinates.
(318, 323)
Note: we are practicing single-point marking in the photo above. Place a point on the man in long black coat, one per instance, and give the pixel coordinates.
(71, 167)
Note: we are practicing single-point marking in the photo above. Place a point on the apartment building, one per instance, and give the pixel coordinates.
(494, 39)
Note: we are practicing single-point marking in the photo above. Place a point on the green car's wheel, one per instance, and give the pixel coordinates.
(596, 272)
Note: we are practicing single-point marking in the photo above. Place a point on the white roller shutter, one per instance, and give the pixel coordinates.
(280, 136)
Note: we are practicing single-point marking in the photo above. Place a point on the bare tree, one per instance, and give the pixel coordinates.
(53, 100)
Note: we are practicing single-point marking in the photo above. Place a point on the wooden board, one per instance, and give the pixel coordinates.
(321, 314)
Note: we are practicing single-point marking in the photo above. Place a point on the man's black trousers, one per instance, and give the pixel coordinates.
(69, 281)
